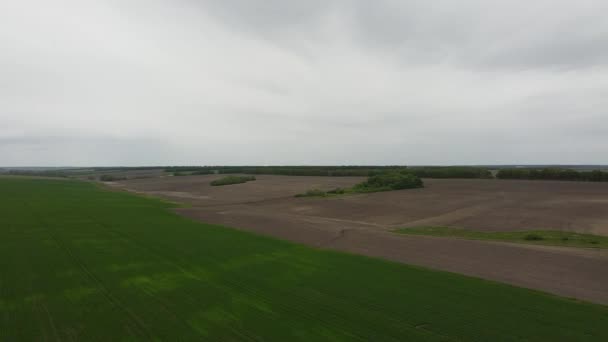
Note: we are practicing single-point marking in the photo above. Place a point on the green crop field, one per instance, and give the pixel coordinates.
(81, 263)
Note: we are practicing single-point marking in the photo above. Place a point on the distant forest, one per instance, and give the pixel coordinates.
(566, 173)
(553, 174)
(337, 171)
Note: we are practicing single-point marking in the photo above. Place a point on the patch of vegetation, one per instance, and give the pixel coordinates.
(451, 172)
(553, 174)
(321, 193)
(232, 180)
(193, 173)
(38, 173)
(385, 181)
(337, 191)
(393, 180)
(111, 178)
(313, 193)
(535, 237)
(540, 237)
(102, 265)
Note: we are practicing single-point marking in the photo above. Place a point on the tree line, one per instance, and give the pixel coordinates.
(337, 171)
(553, 174)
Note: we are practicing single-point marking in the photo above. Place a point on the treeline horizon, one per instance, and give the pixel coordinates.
(467, 172)
(337, 171)
(553, 174)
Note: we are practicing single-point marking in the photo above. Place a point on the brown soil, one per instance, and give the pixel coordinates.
(362, 223)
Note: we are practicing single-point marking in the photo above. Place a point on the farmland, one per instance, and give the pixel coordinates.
(365, 223)
(81, 263)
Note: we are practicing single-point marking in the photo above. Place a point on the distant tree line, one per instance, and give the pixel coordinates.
(450, 172)
(45, 173)
(197, 172)
(553, 174)
(336, 171)
(391, 180)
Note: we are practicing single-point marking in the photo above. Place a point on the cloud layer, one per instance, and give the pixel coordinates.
(308, 82)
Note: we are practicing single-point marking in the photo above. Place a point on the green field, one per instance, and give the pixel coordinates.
(81, 263)
(537, 237)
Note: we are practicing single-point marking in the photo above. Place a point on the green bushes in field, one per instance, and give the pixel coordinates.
(541, 237)
(111, 178)
(337, 191)
(553, 174)
(321, 193)
(389, 181)
(232, 180)
(313, 193)
(533, 237)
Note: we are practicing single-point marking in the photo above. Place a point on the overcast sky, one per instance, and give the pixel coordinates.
(126, 82)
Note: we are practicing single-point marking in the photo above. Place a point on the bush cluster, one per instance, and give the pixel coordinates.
(387, 181)
(390, 181)
(533, 237)
(553, 174)
(232, 180)
(111, 178)
(321, 193)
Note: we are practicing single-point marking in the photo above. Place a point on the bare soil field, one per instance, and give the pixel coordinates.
(362, 223)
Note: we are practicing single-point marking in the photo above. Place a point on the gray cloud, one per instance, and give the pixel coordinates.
(321, 82)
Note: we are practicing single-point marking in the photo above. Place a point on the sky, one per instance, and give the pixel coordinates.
(323, 82)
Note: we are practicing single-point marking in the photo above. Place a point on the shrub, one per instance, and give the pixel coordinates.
(321, 193)
(337, 191)
(313, 193)
(111, 178)
(533, 237)
(232, 180)
(389, 181)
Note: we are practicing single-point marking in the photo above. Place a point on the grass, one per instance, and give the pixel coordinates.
(538, 237)
(80, 263)
(228, 180)
(321, 193)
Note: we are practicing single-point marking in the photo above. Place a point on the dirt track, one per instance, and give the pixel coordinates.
(361, 223)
